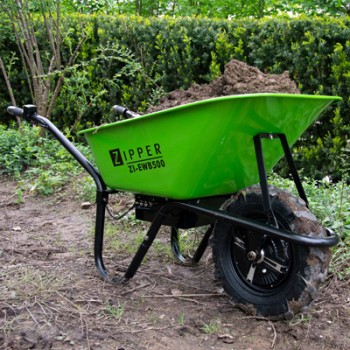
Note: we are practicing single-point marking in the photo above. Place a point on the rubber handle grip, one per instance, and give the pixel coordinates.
(119, 109)
(16, 111)
(125, 112)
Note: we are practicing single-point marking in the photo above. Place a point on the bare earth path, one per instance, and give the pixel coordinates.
(52, 298)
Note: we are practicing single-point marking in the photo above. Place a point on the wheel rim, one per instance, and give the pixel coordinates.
(266, 269)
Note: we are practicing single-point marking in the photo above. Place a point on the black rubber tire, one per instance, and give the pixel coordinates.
(257, 287)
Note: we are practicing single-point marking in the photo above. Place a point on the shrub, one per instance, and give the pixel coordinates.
(174, 53)
(41, 163)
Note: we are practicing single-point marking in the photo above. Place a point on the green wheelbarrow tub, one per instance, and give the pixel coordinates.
(200, 149)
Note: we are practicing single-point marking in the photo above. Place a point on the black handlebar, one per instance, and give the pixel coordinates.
(125, 112)
(29, 113)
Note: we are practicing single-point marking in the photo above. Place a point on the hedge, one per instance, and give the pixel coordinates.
(160, 55)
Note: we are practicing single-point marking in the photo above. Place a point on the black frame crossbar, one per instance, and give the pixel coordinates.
(261, 165)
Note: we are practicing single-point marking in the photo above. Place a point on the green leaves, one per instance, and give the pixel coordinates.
(222, 9)
(41, 163)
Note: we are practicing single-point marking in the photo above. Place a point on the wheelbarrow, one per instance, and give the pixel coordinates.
(198, 165)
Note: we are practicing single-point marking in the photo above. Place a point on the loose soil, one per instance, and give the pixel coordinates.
(51, 296)
(238, 78)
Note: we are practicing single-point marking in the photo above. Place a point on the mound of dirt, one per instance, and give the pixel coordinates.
(238, 78)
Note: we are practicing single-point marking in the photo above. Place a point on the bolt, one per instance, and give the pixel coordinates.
(251, 256)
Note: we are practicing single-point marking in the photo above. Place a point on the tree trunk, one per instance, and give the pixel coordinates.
(9, 88)
(43, 82)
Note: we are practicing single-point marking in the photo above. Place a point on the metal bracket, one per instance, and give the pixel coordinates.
(262, 170)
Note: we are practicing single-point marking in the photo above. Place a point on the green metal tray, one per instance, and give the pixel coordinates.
(200, 149)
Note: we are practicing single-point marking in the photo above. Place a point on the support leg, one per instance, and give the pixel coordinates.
(292, 168)
(101, 202)
(175, 245)
(202, 245)
(145, 245)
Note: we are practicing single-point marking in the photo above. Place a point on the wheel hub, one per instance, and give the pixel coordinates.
(258, 258)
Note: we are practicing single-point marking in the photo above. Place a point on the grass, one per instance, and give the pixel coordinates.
(181, 319)
(328, 201)
(23, 287)
(27, 282)
(115, 312)
(213, 327)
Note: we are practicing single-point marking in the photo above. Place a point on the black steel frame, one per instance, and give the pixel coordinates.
(102, 196)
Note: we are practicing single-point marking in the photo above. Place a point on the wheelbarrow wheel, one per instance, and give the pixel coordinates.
(279, 279)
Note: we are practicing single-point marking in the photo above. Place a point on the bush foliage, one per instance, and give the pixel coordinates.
(40, 164)
(133, 60)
